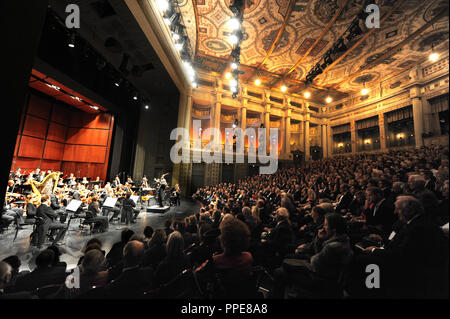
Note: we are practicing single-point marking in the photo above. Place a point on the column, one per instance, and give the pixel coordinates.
(431, 120)
(353, 135)
(283, 135)
(306, 136)
(243, 120)
(382, 131)
(287, 134)
(417, 115)
(267, 125)
(324, 140)
(188, 113)
(329, 141)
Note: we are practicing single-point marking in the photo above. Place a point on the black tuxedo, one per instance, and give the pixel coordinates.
(40, 277)
(279, 239)
(382, 215)
(47, 221)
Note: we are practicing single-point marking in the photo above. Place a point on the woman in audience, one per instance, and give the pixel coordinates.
(175, 262)
(156, 250)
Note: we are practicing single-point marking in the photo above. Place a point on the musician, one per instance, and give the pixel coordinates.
(12, 213)
(161, 189)
(176, 194)
(93, 215)
(128, 205)
(116, 182)
(144, 183)
(47, 221)
(84, 181)
(41, 177)
(36, 174)
(72, 180)
(11, 186)
(129, 180)
(57, 207)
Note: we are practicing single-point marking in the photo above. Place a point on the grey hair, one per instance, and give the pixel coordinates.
(409, 206)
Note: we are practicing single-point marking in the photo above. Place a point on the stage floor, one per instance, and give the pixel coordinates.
(75, 240)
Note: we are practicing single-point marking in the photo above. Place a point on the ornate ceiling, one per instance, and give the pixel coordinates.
(306, 21)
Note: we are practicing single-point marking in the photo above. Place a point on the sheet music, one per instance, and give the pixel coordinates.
(110, 202)
(73, 205)
(135, 198)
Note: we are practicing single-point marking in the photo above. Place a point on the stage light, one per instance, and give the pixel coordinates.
(118, 82)
(257, 82)
(71, 43)
(146, 106)
(135, 97)
(233, 82)
(228, 75)
(364, 91)
(234, 24)
(175, 36)
(328, 99)
(163, 5)
(194, 84)
(433, 56)
(93, 107)
(367, 141)
(234, 65)
(179, 46)
(233, 89)
(283, 88)
(307, 95)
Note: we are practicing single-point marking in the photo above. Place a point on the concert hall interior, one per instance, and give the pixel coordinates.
(225, 149)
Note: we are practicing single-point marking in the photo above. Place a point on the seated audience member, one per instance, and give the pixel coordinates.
(280, 237)
(15, 263)
(188, 238)
(93, 243)
(43, 275)
(148, 233)
(115, 255)
(415, 260)
(332, 255)
(56, 261)
(208, 244)
(156, 250)
(5, 277)
(379, 214)
(174, 263)
(134, 279)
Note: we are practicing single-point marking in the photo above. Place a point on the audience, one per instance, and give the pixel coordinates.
(311, 231)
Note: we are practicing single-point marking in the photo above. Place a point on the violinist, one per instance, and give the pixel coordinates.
(93, 215)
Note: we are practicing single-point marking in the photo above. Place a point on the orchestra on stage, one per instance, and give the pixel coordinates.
(49, 200)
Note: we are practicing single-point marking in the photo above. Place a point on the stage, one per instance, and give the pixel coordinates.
(76, 239)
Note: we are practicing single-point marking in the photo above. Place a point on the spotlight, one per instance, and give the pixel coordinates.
(233, 82)
(179, 46)
(328, 99)
(163, 5)
(364, 91)
(234, 39)
(307, 95)
(93, 107)
(118, 82)
(283, 88)
(228, 75)
(234, 65)
(71, 43)
(135, 97)
(233, 89)
(146, 106)
(257, 82)
(234, 24)
(175, 36)
(433, 57)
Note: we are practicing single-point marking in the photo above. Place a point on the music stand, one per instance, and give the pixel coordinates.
(109, 202)
(72, 207)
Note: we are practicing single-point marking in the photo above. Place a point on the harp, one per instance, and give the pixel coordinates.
(47, 186)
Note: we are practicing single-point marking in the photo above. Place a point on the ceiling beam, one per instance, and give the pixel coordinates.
(392, 51)
(194, 4)
(363, 38)
(277, 38)
(322, 34)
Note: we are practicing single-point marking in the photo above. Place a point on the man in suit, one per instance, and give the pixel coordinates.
(93, 215)
(415, 260)
(44, 274)
(281, 236)
(128, 209)
(345, 200)
(55, 204)
(380, 213)
(47, 221)
(133, 280)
